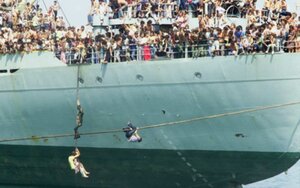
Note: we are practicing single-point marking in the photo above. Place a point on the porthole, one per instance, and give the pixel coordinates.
(99, 79)
(139, 77)
(81, 80)
(198, 75)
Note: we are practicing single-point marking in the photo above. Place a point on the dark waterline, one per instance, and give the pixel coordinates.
(37, 166)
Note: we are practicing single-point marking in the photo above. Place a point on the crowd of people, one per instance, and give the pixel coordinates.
(158, 9)
(24, 27)
(28, 28)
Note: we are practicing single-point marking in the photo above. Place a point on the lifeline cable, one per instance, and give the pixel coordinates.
(77, 98)
(77, 84)
(260, 108)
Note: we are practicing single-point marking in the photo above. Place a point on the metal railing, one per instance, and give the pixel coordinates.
(165, 10)
(233, 11)
(151, 53)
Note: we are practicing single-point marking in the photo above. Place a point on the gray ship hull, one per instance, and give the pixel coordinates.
(38, 93)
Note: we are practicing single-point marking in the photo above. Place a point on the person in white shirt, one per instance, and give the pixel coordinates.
(76, 165)
(55, 7)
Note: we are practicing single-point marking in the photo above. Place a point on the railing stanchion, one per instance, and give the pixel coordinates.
(186, 51)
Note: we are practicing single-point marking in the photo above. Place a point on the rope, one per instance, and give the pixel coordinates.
(222, 115)
(77, 96)
(77, 86)
(76, 143)
(261, 108)
(45, 6)
(62, 10)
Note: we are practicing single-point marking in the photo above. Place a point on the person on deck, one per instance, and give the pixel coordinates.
(55, 7)
(79, 119)
(131, 133)
(76, 165)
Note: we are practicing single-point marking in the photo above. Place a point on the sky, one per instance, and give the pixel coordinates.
(76, 10)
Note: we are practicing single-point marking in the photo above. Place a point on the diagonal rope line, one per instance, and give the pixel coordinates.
(260, 108)
(62, 10)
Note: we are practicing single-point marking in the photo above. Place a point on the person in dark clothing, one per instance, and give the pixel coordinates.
(131, 133)
(79, 119)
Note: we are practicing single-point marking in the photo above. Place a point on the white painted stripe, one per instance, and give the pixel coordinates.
(174, 147)
(170, 142)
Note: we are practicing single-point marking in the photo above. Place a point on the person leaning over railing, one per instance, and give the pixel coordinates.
(271, 43)
(291, 39)
(209, 7)
(26, 36)
(131, 9)
(116, 48)
(133, 41)
(227, 37)
(199, 7)
(247, 6)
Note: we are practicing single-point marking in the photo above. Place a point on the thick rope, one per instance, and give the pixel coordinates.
(77, 86)
(261, 108)
(77, 95)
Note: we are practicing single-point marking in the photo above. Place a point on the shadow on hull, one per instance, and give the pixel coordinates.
(35, 166)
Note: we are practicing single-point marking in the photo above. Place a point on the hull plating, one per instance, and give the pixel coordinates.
(39, 100)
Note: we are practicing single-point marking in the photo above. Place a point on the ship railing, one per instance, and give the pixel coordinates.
(135, 10)
(165, 11)
(233, 11)
(177, 51)
(291, 46)
(266, 15)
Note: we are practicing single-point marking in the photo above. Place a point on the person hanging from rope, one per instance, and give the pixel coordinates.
(131, 133)
(76, 165)
(79, 119)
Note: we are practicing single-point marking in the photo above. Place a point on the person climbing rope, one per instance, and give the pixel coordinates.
(131, 133)
(79, 119)
(76, 165)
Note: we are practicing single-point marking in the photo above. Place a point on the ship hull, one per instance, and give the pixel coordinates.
(37, 166)
(39, 100)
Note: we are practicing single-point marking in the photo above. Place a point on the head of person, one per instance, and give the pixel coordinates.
(73, 153)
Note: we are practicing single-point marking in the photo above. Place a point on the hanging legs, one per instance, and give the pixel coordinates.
(76, 165)
(79, 120)
(80, 168)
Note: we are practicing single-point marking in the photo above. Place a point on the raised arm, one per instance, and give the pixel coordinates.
(77, 152)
